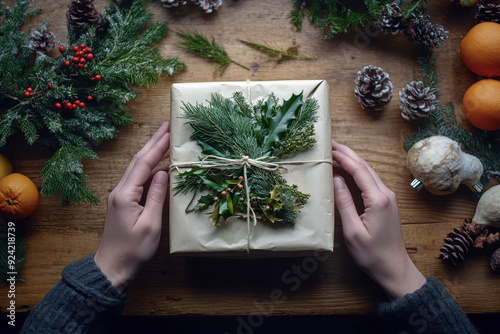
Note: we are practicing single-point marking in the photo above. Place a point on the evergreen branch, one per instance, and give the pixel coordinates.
(278, 55)
(123, 55)
(199, 45)
(229, 128)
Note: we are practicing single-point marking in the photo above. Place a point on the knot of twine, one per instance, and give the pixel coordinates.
(214, 161)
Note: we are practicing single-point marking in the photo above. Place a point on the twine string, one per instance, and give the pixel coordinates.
(214, 161)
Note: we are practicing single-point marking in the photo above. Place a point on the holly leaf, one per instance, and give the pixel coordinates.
(213, 149)
(279, 123)
(214, 182)
(215, 216)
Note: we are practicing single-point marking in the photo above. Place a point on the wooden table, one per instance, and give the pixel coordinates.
(171, 285)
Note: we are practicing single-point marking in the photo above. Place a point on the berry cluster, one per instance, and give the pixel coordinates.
(28, 92)
(82, 55)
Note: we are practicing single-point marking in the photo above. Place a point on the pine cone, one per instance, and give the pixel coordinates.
(373, 88)
(423, 32)
(483, 238)
(208, 5)
(391, 20)
(43, 41)
(82, 13)
(488, 11)
(173, 3)
(415, 101)
(456, 247)
(495, 261)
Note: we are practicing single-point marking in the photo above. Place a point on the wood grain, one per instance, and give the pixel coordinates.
(171, 285)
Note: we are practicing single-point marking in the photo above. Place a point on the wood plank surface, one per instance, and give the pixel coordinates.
(171, 285)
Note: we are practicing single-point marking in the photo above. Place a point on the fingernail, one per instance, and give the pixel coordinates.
(338, 184)
(160, 179)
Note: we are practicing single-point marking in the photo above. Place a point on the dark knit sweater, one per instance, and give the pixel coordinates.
(84, 301)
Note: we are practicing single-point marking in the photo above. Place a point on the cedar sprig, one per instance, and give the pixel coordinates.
(201, 46)
(442, 121)
(232, 128)
(278, 55)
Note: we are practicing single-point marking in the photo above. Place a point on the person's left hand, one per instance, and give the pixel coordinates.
(134, 218)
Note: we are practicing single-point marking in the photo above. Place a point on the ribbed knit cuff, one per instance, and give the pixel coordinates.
(87, 278)
(430, 309)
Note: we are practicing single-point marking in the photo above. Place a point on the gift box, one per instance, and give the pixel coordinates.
(193, 234)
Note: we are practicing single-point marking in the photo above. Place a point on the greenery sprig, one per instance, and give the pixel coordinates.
(231, 128)
(201, 46)
(278, 55)
(336, 16)
(443, 121)
(121, 57)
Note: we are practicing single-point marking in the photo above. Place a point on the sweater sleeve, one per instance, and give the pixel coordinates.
(430, 309)
(83, 301)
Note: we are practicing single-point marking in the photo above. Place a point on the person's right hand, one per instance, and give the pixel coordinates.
(375, 238)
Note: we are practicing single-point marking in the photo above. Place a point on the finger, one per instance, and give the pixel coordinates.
(157, 136)
(351, 223)
(349, 152)
(360, 173)
(153, 207)
(165, 168)
(145, 161)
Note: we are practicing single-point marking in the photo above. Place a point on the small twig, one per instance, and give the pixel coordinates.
(278, 55)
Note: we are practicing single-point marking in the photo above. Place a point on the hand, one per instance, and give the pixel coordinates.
(375, 238)
(133, 221)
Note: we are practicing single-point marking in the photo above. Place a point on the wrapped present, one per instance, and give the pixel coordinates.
(191, 233)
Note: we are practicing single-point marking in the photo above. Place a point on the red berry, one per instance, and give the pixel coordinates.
(58, 105)
(98, 77)
(92, 79)
(90, 56)
(29, 89)
(83, 46)
(81, 66)
(67, 63)
(27, 94)
(69, 106)
(76, 49)
(75, 60)
(82, 60)
(81, 105)
(74, 106)
(49, 86)
(62, 49)
(89, 50)
(90, 98)
(77, 102)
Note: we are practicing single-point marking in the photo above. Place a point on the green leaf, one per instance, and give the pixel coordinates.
(230, 206)
(279, 123)
(214, 182)
(215, 216)
(213, 149)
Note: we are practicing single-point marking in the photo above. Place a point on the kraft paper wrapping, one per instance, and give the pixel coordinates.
(193, 234)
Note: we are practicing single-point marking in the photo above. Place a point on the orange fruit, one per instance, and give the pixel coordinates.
(481, 104)
(18, 196)
(480, 49)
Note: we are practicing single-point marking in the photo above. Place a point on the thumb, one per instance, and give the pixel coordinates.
(345, 204)
(156, 195)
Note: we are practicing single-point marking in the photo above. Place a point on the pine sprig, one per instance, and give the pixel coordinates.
(123, 55)
(336, 17)
(201, 46)
(442, 121)
(278, 55)
(231, 128)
